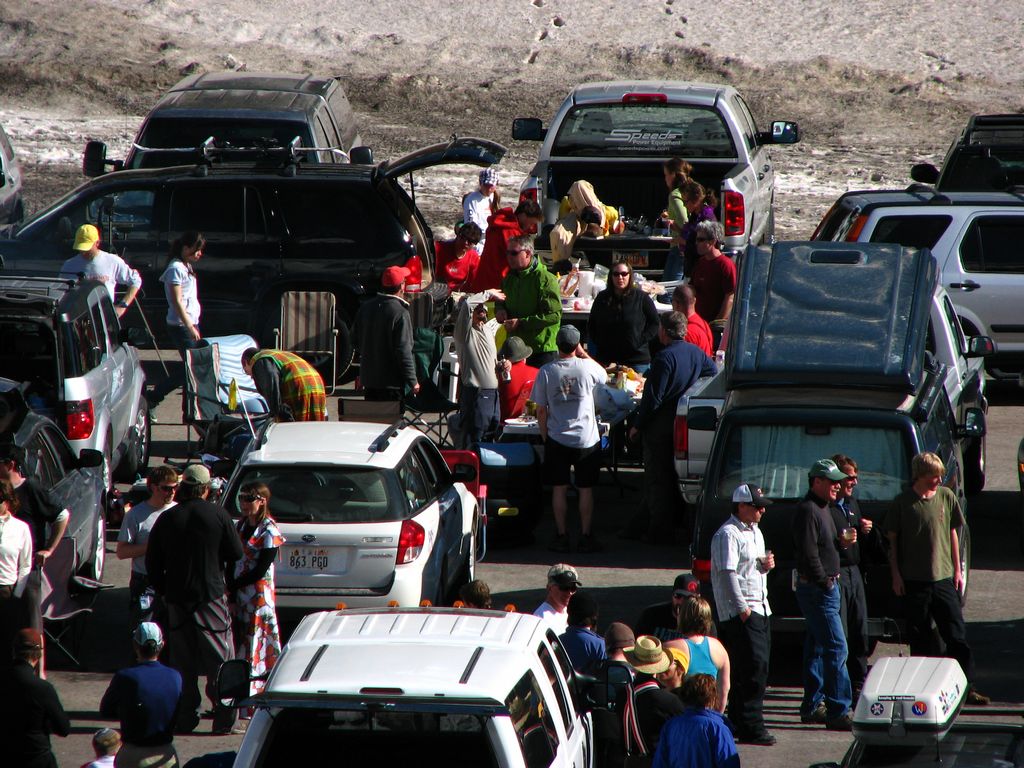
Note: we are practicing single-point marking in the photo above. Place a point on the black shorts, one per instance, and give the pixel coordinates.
(559, 458)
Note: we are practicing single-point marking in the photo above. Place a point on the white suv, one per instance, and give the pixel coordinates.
(425, 687)
(371, 515)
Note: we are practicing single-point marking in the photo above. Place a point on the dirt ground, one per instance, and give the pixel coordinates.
(874, 90)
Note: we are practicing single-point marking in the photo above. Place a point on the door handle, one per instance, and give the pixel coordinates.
(966, 285)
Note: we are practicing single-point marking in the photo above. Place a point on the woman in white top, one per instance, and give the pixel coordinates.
(15, 567)
(183, 309)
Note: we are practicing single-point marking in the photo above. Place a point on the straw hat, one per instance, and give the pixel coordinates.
(647, 655)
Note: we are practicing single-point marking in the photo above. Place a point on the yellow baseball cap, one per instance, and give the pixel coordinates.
(86, 237)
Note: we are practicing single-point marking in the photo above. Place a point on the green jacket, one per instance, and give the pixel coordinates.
(532, 296)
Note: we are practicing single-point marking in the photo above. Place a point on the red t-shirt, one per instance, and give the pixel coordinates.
(698, 333)
(456, 272)
(712, 281)
(509, 391)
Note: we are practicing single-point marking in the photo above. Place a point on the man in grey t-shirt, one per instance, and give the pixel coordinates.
(132, 541)
(564, 394)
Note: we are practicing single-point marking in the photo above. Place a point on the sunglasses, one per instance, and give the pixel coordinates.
(567, 589)
(249, 498)
(168, 488)
(514, 252)
(681, 594)
(621, 274)
(704, 240)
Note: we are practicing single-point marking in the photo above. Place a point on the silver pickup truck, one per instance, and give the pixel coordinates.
(617, 135)
(964, 381)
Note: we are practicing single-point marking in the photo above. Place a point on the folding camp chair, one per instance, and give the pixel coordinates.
(430, 407)
(209, 372)
(378, 411)
(66, 600)
(308, 329)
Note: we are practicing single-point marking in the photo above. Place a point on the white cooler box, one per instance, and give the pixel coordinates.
(909, 700)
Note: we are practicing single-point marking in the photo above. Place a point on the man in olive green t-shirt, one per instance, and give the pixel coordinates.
(924, 557)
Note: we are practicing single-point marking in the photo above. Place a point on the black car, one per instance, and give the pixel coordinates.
(987, 156)
(75, 481)
(271, 226)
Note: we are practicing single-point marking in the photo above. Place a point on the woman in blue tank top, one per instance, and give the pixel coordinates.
(707, 655)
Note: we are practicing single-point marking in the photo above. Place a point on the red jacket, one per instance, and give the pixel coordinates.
(502, 226)
(510, 392)
(457, 273)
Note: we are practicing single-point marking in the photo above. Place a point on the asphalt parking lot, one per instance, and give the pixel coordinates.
(626, 576)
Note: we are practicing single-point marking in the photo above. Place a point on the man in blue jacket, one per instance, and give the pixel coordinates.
(672, 372)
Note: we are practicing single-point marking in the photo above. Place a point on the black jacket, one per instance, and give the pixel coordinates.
(621, 332)
(815, 541)
(30, 711)
(850, 555)
(383, 336)
(189, 546)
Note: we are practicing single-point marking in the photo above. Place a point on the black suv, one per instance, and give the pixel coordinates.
(270, 226)
(987, 156)
(76, 481)
(237, 110)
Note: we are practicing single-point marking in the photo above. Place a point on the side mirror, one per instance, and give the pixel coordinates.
(980, 346)
(782, 132)
(464, 473)
(361, 156)
(90, 457)
(233, 679)
(926, 173)
(974, 424)
(703, 417)
(528, 129)
(94, 159)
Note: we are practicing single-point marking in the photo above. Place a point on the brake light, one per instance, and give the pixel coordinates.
(856, 228)
(80, 419)
(701, 569)
(681, 438)
(734, 213)
(825, 218)
(645, 98)
(410, 541)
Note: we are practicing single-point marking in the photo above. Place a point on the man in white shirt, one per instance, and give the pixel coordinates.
(563, 581)
(93, 264)
(479, 204)
(739, 568)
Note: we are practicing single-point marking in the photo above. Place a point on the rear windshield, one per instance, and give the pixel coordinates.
(777, 458)
(28, 353)
(643, 130)
(187, 132)
(421, 739)
(325, 494)
(955, 748)
(992, 169)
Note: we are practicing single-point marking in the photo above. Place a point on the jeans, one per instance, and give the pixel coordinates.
(749, 644)
(825, 675)
(673, 265)
(182, 341)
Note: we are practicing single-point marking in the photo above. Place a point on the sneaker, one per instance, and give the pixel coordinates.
(588, 544)
(841, 723)
(560, 543)
(818, 716)
(762, 739)
(975, 697)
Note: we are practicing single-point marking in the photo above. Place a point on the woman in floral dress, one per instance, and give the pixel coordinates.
(255, 616)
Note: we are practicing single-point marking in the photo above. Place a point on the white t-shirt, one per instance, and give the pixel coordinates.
(566, 386)
(177, 273)
(15, 553)
(476, 207)
(557, 620)
(136, 527)
(107, 268)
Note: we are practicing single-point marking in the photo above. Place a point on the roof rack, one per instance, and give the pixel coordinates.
(935, 197)
(55, 287)
(383, 440)
(292, 153)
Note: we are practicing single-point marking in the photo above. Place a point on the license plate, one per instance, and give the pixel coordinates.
(309, 559)
(633, 258)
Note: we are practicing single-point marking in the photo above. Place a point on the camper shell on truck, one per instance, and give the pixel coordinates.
(829, 355)
(617, 135)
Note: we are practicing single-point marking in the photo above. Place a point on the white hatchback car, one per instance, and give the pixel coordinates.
(371, 515)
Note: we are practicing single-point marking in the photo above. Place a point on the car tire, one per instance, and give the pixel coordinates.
(93, 567)
(136, 458)
(974, 467)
